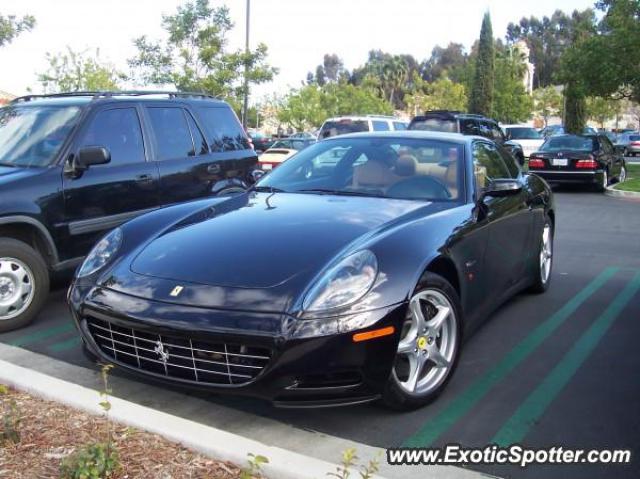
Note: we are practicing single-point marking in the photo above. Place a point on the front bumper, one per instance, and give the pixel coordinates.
(312, 371)
(591, 177)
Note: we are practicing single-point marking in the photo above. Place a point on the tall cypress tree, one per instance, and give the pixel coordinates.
(481, 99)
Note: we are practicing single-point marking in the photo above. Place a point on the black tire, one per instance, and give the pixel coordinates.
(394, 396)
(32, 259)
(539, 286)
(602, 186)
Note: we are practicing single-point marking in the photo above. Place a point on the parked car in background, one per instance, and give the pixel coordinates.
(466, 124)
(358, 124)
(75, 165)
(282, 150)
(261, 142)
(305, 135)
(326, 284)
(629, 143)
(552, 130)
(527, 137)
(585, 159)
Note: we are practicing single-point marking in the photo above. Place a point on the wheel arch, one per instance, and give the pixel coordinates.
(32, 232)
(445, 267)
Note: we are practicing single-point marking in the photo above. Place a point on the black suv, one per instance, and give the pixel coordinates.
(73, 166)
(467, 124)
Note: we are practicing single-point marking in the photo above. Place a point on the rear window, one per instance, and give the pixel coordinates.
(523, 133)
(568, 143)
(380, 125)
(434, 124)
(224, 131)
(342, 127)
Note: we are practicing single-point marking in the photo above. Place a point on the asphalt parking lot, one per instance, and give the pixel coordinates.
(557, 369)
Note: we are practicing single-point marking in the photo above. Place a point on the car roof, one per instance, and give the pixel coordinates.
(413, 134)
(83, 98)
(364, 118)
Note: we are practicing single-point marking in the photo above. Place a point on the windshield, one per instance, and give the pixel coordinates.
(569, 142)
(523, 134)
(402, 168)
(33, 135)
(434, 124)
(342, 127)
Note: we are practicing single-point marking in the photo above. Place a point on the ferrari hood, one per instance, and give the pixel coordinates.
(263, 240)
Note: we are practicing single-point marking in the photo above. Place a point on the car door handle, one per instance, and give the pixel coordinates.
(213, 169)
(144, 179)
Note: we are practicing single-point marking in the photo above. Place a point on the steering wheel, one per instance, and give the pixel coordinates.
(420, 187)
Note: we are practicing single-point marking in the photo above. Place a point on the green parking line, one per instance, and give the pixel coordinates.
(517, 426)
(65, 345)
(43, 334)
(465, 401)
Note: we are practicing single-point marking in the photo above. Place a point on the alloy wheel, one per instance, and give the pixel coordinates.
(428, 343)
(546, 253)
(16, 287)
(605, 180)
(623, 175)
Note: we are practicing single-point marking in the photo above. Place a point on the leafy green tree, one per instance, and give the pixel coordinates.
(303, 109)
(79, 71)
(441, 94)
(547, 102)
(195, 55)
(481, 98)
(601, 109)
(11, 27)
(511, 102)
(608, 62)
(548, 38)
(446, 61)
(309, 106)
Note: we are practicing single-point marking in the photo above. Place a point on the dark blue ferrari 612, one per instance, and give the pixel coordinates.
(350, 273)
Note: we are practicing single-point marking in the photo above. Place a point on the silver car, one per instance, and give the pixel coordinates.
(630, 142)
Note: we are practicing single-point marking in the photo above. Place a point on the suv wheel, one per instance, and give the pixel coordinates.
(24, 284)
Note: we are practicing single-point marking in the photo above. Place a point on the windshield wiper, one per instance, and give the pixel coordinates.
(268, 189)
(323, 191)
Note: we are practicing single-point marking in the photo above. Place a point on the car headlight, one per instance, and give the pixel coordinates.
(343, 284)
(101, 253)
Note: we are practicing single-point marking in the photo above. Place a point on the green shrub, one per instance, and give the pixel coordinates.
(95, 461)
(10, 423)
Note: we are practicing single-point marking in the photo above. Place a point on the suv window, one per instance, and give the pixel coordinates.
(342, 127)
(198, 138)
(399, 125)
(380, 125)
(496, 133)
(173, 139)
(119, 131)
(223, 129)
(447, 125)
(484, 129)
(487, 164)
(469, 127)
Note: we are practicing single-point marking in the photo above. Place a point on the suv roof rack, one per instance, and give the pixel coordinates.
(108, 94)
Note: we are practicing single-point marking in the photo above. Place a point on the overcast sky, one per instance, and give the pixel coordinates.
(297, 32)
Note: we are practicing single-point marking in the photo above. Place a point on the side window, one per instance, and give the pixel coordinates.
(510, 162)
(469, 127)
(487, 164)
(399, 125)
(380, 125)
(224, 131)
(173, 138)
(606, 144)
(497, 134)
(119, 131)
(198, 138)
(484, 129)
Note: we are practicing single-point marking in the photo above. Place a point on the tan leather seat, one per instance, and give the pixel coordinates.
(374, 174)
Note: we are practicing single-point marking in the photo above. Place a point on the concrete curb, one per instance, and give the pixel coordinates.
(610, 191)
(215, 443)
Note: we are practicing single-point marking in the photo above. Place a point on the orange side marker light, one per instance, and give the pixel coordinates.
(376, 333)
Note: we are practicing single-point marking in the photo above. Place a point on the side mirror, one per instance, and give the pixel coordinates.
(501, 188)
(91, 155)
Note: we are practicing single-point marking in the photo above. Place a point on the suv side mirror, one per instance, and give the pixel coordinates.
(92, 155)
(501, 188)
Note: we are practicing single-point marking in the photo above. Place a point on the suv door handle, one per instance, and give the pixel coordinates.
(144, 178)
(213, 169)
